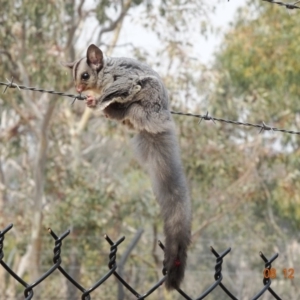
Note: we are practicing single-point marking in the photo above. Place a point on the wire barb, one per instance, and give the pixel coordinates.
(265, 127)
(9, 85)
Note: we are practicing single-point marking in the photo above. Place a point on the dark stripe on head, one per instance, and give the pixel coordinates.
(131, 65)
(75, 68)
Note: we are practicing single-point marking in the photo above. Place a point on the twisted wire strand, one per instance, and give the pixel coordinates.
(206, 117)
(287, 5)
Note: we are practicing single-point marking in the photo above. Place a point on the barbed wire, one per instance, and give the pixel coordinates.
(112, 266)
(10, 84)
(262, 127)
(287, 5)
(205, 117)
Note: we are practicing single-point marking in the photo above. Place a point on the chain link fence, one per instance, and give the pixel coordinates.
(87, 292)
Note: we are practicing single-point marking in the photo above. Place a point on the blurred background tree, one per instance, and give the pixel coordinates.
(64, 166)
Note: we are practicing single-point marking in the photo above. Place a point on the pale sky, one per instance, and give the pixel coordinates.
(131, 33)
(223, 15)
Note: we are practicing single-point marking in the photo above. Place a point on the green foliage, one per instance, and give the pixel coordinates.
(137, 2)
(260, 80)
(101, 13)
(31, 34)
(260, 55)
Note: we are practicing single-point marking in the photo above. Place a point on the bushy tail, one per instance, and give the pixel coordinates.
(160, 154)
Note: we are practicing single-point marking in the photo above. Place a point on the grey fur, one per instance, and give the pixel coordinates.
(132, 93)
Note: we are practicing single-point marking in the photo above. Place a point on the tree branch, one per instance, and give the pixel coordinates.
(113, 25)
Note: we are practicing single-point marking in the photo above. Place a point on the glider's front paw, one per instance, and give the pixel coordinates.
(91, 101)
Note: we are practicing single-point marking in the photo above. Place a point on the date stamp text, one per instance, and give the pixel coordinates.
(272, 273)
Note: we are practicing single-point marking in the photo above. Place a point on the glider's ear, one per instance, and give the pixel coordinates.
(94, 57)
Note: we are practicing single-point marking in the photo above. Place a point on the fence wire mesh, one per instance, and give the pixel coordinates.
(86, 292)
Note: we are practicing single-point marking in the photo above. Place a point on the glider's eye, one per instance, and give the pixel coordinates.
(85, 76)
